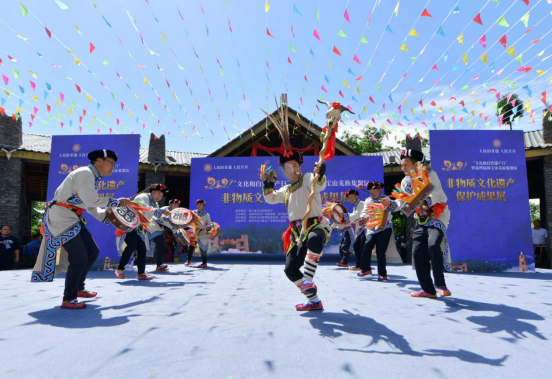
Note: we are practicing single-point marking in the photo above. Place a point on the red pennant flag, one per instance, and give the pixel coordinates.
(80, 119)
(62, 125)
(92, 47)
(48, 32)
(478, 19)
(289, 60)
(526, 2)
(371, 99)
(502, 40)
(425, 13)
(360, 77)
(78, 89)
(268, 33)
(110, 130)
(336, 51)
(84, 112)
(145, 107)
(316, 35)
(122, 105)
(306, 79)
(2, 110)
(32, 117)
(433, 103)
(117, 121)
(346, 15)
(462, 103)
(535, 41)
(341, 93)
(48, 108)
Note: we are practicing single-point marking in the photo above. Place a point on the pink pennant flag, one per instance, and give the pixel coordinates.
(316, 35)
(292, 31)
(502, 40)
(33, 85)
(62, 96)
(421, 102)
(346, 15)
(508, 98)
(341, 93)
(497, 95)
(356, 59)
(78, 88)
(6, 79)
(399, 107)
(98, 131)
(383, 105)
(434, 67)
(48, 32)
(483, 40)
(475, 78)
(513, 102)
(453, 118)
(356, 122)
(374, 138)
(500, 72)
(324, 89)
(35, 110)
(80, 129)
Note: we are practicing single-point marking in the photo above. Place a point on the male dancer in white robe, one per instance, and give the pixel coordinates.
(202, 238)
(295, 197)
(65, 229)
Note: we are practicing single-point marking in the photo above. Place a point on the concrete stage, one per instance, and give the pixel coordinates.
(238, 321)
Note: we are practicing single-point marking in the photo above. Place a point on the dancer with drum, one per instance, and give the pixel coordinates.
(202, 236)
(377, 236)
(146, 237)
(341, 222)
(68, 246)
(432, 218)
(356, 220)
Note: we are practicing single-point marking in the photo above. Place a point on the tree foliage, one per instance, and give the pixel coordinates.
(510, 112)
(37, 211)
(535, 212)
(364, 143)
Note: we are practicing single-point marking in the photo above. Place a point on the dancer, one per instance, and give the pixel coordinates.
(378, 236)
(356, 219)
(144, 238)
(202, 239)
(430, 233)
(295, 196)
(64, 228)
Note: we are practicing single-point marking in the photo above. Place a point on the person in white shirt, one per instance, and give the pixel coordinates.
(346, 246)
(295, 197)
(202, 238)
(541, 242)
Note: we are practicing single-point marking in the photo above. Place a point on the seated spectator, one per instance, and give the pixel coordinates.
(541, 242)
(9, 249)
(31, 249)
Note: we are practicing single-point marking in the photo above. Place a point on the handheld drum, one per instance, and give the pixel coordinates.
(212, 230)
(180, 217)
(336, 212)
(421, 187)
(123, 218)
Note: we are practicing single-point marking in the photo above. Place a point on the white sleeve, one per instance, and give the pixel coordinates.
(320, 185)
(356, 214)
(275, 196)
(83, 183)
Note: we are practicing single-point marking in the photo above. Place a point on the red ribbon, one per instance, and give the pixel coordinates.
(330, 150)
(281, 150)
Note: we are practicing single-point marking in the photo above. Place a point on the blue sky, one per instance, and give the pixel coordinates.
(210, 108)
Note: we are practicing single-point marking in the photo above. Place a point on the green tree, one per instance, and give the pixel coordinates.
(364, 143)
(37, 211)
(535, 212)
(508, 111)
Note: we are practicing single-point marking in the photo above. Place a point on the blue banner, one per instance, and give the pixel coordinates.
(70, 152)
(484, 176)
(233, 192)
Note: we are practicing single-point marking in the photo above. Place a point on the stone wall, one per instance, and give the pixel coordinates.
(156, 153)
(11, 135)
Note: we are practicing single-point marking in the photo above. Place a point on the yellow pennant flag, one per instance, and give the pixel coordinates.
(88, 97)
(267, 7)
(441, 109)
(528, 105)
(484, 57)
(78, 30)
(540, 72)
(465, 58)
(461, 39)
(136, 96)
(195, 101)
(364, 109)
(17, 109)
(413, 33)
(58, 102)
(475, 101)
(68, 50)
(412, 111)
(163, 37)
(397, 9)
(201, 68)
(405, 101)
(93, 118)
(358, 90)
(298, 117)
(23, 38)
(287, 76)
(77, 61)
(541, 53)
(511, 51)
(33, 74)
(69, 111)
(174, 95)
(347, 84)
(403, 47)
(145, 80)
(308, 67)
(108, 114)
(423, 111)
(95, 6)
(472, 112)
(384, 127)
(469, 122)
(330, 64)
(35, 98)
(7, 92)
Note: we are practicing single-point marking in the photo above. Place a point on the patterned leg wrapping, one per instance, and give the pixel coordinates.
(311, 264)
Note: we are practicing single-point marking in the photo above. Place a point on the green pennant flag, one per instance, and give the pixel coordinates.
(378, 113)
(51, 118)
(378, 87)
(341, 34)
(318, 14)
(513, 85)
(73, 104)
(497, 1)
(44, 124)
(105, 62)
(465, 87)
(304, 93)
(393, 115)
(291, 47)
(15, 73)
(364, 40)
(518, 58)
(502, 22)
(113, 95)
(23, 9)
(505, 80)
(59, 116)
(525, 19)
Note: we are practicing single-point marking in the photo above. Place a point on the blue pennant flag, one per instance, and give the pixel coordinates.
(351, 72)
(529, 92)
(388, 29)
(3, 101)
(434, 126)
(70, 122)
(46, 93)
(98, 106)
(440, 31)
(295, 10)
(454, 68)
(445, 56)
(48, 86)
(456, 9)
(207, 29)
(354, 99)
(390, 98)
(20, 102)
(22, 89)
(311, 52)
(39, 55)
(326, 79)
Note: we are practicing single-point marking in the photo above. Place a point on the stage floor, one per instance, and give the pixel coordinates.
(239, 321)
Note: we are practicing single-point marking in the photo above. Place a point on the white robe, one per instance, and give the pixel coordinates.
(79, 189)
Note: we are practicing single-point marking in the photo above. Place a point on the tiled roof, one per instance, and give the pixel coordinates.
(42, 144)
(393, 157)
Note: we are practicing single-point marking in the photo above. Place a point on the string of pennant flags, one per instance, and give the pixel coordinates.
(479, 70)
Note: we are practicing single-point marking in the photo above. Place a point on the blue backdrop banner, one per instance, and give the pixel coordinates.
(70, 153)
(484, 176)
(233, 191)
